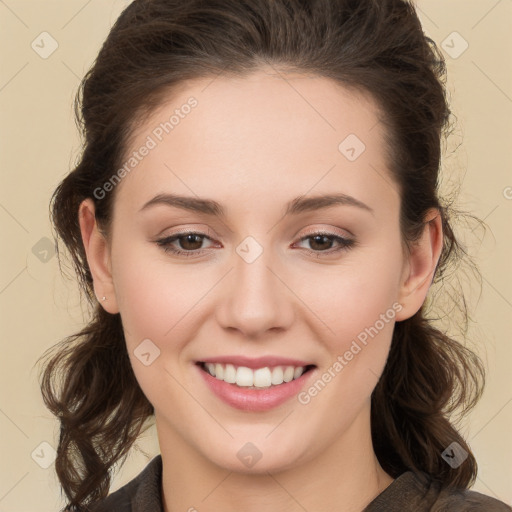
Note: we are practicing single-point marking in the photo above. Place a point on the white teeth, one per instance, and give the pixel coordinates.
(244, 376)
(288, 374)
(230, 374)
(277, 375)
(262, 377)
(219, 371)
(249, 378)
(298, 372)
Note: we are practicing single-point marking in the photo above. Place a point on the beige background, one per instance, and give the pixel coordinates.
(39, 144)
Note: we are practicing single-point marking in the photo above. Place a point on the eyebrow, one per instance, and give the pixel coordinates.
(295, 206)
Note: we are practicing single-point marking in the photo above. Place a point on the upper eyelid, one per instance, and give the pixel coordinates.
(344, 243)
(325, 232)
(318, 231)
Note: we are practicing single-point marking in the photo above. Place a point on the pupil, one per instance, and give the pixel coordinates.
(191, 239)
(320, 238)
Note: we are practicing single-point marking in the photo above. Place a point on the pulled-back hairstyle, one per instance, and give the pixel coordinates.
(372, 46)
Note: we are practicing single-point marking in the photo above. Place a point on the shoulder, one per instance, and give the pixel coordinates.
(468, 501)
(418, 492)
(140, 494)
(456, 499)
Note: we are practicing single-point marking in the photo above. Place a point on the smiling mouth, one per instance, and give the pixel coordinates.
(258, 378)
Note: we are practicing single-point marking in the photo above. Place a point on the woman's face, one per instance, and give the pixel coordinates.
(255, 282)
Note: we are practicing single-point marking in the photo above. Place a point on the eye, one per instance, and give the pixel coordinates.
(320, 241)
(191, 242)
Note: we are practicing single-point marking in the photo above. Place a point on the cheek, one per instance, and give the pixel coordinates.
(358, 303)
(352, 297)
(155, 297)
(361, 320)
(156, 301)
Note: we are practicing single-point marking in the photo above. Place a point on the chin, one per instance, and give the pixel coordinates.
(253, 457)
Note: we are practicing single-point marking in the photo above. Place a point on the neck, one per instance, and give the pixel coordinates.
(345, 477)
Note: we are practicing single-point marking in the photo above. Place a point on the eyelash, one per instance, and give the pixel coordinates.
(165, 243)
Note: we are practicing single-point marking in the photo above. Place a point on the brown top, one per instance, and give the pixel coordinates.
(411, 491)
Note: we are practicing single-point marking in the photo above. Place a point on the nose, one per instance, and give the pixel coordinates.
(256, 296)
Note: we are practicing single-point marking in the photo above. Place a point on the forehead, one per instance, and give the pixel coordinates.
(268, 131)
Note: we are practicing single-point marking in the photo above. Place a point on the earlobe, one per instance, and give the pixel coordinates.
(98, 256)
(421, 265)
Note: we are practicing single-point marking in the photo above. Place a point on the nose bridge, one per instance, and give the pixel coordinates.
(256, 299)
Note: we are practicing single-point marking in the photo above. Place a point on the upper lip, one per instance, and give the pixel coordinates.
(256, 362)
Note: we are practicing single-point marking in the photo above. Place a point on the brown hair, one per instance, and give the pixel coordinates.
(374, 46)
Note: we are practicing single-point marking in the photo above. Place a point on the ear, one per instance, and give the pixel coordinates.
(420, 265)
(98, 256)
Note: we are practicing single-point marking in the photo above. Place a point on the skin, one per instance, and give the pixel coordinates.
(253, 144)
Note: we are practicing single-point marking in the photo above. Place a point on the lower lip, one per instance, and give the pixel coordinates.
(254, 399)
